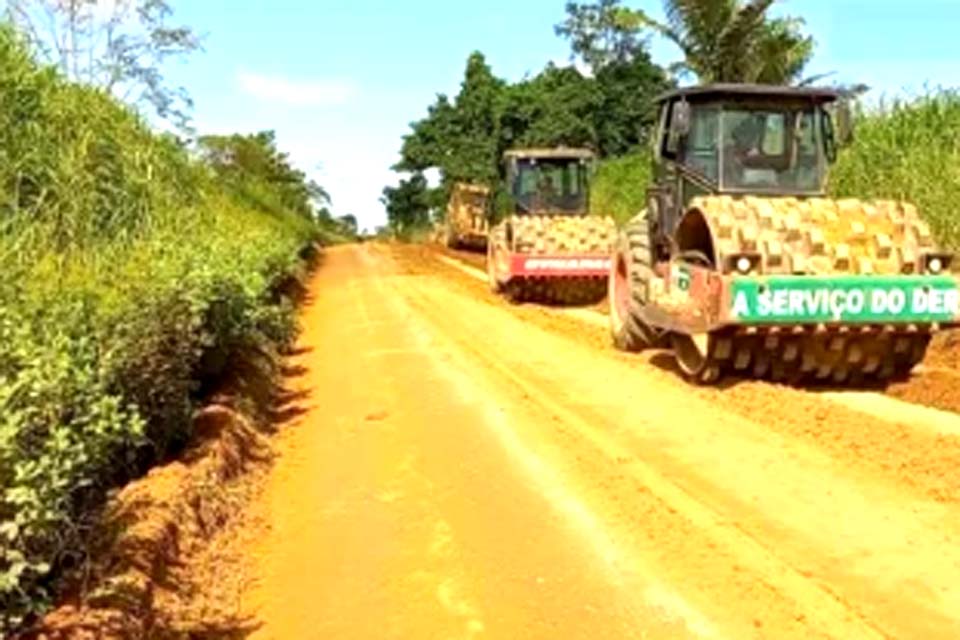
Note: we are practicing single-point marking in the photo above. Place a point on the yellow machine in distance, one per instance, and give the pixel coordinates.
(466, 222)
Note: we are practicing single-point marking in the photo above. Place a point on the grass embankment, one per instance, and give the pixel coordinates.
(620, 186)
(906, 150)
(129, 276)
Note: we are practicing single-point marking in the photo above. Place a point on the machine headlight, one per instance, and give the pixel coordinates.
(742, 263)
(936, 263)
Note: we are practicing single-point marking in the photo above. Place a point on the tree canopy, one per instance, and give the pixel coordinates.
(605, 100)
(118, 46)
(602, 33)
(464, 137)
(256, 171)
(729, 40)
(408, 205)
(459, 138)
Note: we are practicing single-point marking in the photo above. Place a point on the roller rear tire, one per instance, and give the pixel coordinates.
(631, 271)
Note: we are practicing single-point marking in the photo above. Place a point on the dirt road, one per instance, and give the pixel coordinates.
(463, 469)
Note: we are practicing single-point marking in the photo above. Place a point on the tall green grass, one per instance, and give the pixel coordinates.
(908, 149)
(620, 186)
(130, 274)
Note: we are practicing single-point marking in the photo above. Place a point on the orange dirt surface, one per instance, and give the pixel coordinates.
(917, 455)
(476, 259)
(160, 567)
(462, 468)
(936, 383)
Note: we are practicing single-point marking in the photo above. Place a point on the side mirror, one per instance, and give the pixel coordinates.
(829, 136)
(591, 168)
(680, 119)
(679, 125)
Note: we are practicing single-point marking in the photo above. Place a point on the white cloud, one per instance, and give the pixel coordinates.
(577, 64)
(298, 93)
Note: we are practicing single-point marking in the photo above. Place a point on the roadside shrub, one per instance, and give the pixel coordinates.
(130, 276)
(620, 186)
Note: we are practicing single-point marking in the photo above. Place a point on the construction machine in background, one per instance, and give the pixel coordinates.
(741, 264)
(466, 222)
(549, 249)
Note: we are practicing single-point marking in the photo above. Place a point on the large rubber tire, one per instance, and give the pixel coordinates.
(451, 239)
(496, 243)
(631, 271)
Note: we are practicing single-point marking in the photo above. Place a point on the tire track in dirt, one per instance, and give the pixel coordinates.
(891, 486)
(397, 509)
(934, 384)
(915, 444)
(654, 500)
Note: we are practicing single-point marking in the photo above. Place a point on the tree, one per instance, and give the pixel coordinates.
(606, 37)
(257, 172)
(555, 107)
(627, 113)
(602, 33)
(119, 46)
(408, 205)
(475, 151)
(730, 40)
(324, 217)
(460, 138)
(426, 146)
(465, 138)
(348, 223)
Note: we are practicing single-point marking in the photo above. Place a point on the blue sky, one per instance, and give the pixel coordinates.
(340, 81)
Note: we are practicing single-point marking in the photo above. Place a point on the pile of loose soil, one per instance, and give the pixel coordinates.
(154, 528)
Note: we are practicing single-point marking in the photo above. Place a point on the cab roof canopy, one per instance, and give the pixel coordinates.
(553, 152)
(703, 93)
(472, 187)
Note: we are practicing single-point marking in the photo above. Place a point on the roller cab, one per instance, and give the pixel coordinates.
(549, 249)
(740, 263)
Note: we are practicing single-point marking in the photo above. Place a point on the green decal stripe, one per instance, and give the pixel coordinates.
(805, 299)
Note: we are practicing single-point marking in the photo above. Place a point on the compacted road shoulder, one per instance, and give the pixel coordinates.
(458, 472)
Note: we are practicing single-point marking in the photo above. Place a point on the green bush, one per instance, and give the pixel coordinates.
(130, 276)
(620, 186)
(908, 150)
